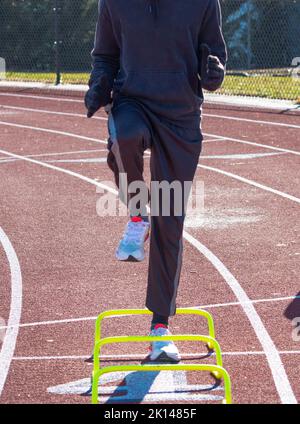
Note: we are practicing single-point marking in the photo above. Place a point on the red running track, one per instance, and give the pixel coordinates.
(58, 270)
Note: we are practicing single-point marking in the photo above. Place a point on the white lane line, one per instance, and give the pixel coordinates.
(207, 306)
(213, 140)
(47, 130)
(251, 182)
(55, 99)
(73, 152)
(215, 137)
(240, 156)
(267, 300)
(51, 112)
(253, 121)
(54, 322)
(88, 160)
(252, 143)
(245, 156)
(141, 356)
(10, 338)
(281, 380)
(210, 115)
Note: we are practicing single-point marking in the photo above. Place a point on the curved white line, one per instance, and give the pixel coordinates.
(254, 121)
(47, 130)
(56, 168)
(251, 182)
(10, 339)
(281, 380)
(252, 143)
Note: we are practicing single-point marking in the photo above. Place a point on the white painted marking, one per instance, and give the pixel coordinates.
(10, 339)
(220, 138)
(47, 130)
(51, 112)
(267, 300)
(73, 100)
(142, 387)
(210, 98)
(242, 156)
(54, 322)
(208, 306)
(96, 160)
(212, 140)
(141, 356)
(65, 171)
(4, 159)
(220, 218)
(253, 121)
(239, 156)
(252, 183)
(88, 160)
(252, 143)
(279, 375)
(281, 380)
(55, 99)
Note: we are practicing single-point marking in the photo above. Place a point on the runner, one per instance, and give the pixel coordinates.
(151, 60)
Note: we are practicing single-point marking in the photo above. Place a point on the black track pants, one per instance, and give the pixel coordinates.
(174, 156)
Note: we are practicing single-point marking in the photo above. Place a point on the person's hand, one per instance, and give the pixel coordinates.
(212, 70)
(98, 95)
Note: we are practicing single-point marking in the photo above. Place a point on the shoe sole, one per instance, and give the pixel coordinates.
(130, 258)
(163, 357)
(133, 259)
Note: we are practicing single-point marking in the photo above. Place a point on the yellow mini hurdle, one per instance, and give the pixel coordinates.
(216, 370)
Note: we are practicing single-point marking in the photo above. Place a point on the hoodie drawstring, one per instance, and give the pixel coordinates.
(153, 7)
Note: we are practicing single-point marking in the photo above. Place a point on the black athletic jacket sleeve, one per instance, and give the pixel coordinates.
(106, 52)
(211, 33)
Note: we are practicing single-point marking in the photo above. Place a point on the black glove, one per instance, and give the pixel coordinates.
(212, 70)
(98, 95)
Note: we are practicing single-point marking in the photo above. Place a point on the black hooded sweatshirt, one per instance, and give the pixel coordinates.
(149, 50)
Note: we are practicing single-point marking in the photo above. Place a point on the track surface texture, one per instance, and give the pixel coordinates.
(58, 272)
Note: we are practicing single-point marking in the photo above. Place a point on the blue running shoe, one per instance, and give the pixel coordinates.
(131, 247)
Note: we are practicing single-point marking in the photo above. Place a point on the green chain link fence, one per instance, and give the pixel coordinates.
(51, 40)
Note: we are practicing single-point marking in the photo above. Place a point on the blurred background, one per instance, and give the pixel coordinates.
(51, 40)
